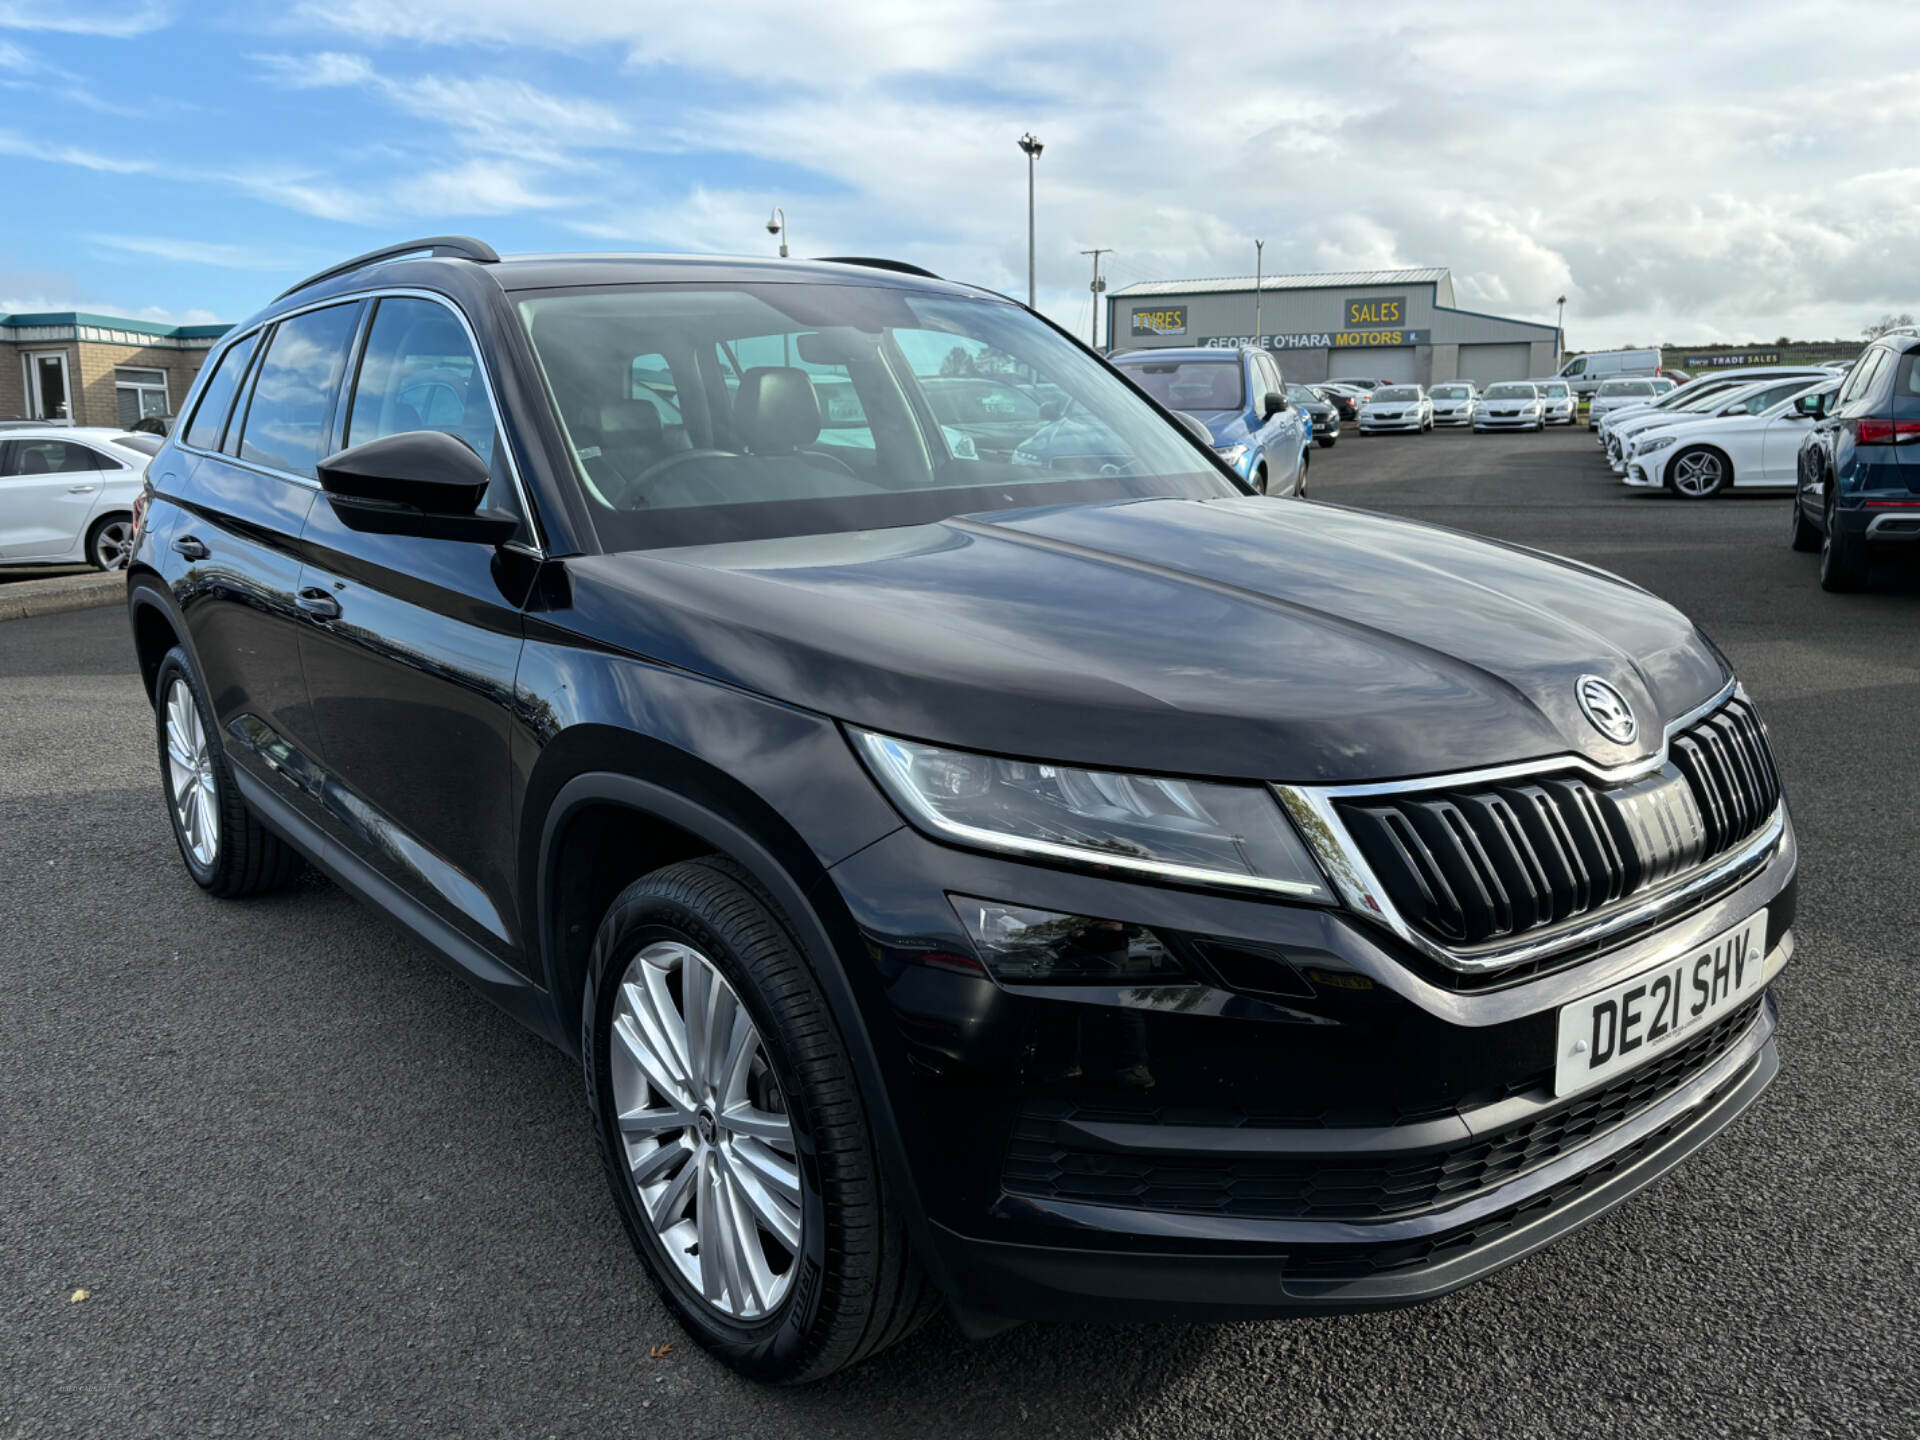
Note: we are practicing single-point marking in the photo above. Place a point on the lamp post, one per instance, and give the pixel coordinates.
(1560, 332)
(1099, 288)
(1259, 246)
(1033, 148)
(777, 225)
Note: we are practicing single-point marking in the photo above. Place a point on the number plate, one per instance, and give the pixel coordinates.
(1633, 1021)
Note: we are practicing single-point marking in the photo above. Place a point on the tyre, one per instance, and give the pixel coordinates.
(1801, 534)
(1843, 558)
(742, 1162)
(1698, 473)
(1260, 480)
(110, 542)
(226, 849)
(1327, 442)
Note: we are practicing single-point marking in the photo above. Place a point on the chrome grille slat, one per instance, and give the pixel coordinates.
(1490, 863)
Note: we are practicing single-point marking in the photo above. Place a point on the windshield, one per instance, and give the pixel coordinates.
(1190, 384)
(1613, 388)
(1554, 389)
(702, 414)
(1398, 392)
(1451, 392)
(1511, 392)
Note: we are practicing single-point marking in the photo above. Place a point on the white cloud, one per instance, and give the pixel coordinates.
(198, 252)
(113, 22)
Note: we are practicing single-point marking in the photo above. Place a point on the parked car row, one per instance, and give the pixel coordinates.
(66, 493)
(1504, 405)
(1845, 446)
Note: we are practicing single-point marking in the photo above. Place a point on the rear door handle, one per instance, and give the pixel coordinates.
(80, 489)
(318, 602)
(190, 547)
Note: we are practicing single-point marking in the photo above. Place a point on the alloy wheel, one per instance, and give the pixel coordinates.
(113, 545)
(196, 802)
(708, 1143)
(1698, 475)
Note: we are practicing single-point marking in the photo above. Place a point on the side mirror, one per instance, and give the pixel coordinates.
(1273, 405)
(1053, 409)
(1811, 407)
(419, 482)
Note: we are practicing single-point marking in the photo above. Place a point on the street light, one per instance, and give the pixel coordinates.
(1560, 330)
(1033, 148)
(1259, 247)
(777, 225)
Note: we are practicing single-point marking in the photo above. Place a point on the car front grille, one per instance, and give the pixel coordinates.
(1050, 1157)
(1494, 862)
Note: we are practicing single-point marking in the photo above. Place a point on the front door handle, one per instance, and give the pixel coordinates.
(190, 547)
(318, 603)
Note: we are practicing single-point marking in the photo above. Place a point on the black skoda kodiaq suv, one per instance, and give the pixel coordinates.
(1066, 883)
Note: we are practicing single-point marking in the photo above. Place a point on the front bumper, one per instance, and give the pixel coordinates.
(1643, 473)
(1505, 422)
(1453, 417)
(1369, 426)
(1176, 1111)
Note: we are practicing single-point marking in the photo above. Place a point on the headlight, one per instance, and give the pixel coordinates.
(1652, 443)
(1188, 831)
(1232, 454)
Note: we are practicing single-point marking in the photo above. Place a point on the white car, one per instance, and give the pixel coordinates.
(1692, 395)
(1741, 400)
(1618, 394)
(1396, 407)
(66, 496)
(1453, 402)
(1510, 405)
(1558, 404)
(1699, 458)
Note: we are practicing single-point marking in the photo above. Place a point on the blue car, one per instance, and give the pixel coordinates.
(1237, 393)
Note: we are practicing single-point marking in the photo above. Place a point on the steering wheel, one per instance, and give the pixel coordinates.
(831, 459)
(637, 486)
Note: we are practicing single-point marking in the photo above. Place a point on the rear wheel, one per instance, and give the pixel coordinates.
(1697, 474)
(1801, 534)
(1843, 558)
(227, 850)
(734, 1135)
(1260, 480)
(110, 542)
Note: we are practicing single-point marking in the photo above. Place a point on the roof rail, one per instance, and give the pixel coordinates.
(1901, 330)
(900, 265)
(461, 247)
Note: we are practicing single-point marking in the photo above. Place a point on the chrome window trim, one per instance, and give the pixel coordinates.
(537, 547)
(1311, 808)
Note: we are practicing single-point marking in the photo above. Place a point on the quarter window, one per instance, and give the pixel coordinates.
(292, 402)
(216, 398)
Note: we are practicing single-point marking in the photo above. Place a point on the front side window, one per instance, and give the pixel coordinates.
(1578, 367)
(419, 372)
(292, 402)
(811, 409)
(216, 397)
(1199, 385)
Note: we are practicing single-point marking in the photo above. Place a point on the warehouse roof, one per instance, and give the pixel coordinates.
(1337, 280)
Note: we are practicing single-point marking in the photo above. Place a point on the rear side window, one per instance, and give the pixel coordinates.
(1906, 384)
(52, 457)
(292, 403)
(216, 397)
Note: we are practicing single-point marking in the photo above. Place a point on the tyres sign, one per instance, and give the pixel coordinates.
(1168, 320)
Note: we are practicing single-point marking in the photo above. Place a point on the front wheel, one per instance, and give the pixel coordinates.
(1697, 474)
(734, 1134)
(1327, 442)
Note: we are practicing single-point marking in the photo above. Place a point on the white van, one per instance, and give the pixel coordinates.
(1585, 372)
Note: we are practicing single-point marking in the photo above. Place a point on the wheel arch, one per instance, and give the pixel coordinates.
(584, 794)
(156, 629)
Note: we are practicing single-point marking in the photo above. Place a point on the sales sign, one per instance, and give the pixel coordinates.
(1326, 339)
(1387, 312)
(1732, 357)
(1172, 320)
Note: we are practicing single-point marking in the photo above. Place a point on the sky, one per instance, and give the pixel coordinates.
(1680, 172)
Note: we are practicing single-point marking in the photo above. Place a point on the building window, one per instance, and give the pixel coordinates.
(140, 393)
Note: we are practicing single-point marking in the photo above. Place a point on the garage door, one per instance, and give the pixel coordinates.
(1393, 365)
(1484, 364)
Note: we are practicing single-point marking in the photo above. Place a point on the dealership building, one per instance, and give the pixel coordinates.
(1396, 325)
(96, 369)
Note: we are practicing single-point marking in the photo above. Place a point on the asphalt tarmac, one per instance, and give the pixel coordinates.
(312, 1184)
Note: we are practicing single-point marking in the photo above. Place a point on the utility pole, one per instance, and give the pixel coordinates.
(1259, 246)
(1560, 332)
(1099, 288)
(1033, 148)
